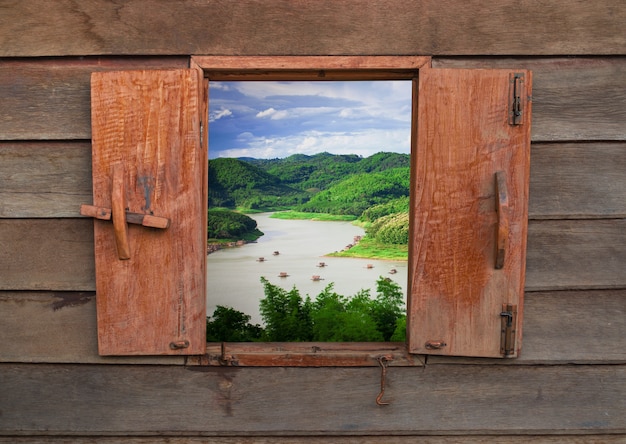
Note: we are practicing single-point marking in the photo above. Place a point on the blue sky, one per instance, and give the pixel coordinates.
(269, 120)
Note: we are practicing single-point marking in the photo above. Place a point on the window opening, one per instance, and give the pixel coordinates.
(335, 150)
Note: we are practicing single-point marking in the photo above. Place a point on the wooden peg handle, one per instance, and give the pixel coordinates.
(502, 210)
(118, 209)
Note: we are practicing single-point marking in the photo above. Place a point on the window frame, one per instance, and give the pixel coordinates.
(311, 68)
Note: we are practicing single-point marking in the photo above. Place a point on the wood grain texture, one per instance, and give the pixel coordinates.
(147, 157)
(449, 399)
(567, 180)
(561, 255)
(62, 329)
(57, 327)
(464, 142)
(44, 179)
(282, 27)
(47, 254)
(577, 181)
(580, 254)
(50, 98)
(416, 438)
(573, 98)
(581, 327)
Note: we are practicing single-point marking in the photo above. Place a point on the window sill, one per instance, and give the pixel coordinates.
(306, 354)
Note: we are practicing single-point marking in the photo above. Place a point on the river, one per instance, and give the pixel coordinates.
(234, 273)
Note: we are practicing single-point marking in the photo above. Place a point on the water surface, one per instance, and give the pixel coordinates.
(234, 273)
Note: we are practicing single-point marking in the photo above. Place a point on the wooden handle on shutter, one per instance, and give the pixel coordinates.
(118, 209)
(502, 227)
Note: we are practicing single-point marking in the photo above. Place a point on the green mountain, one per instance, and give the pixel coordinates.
(337, 184)
(235, 183)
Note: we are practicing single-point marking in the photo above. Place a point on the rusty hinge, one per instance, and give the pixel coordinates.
(507, 335)
(516, 89)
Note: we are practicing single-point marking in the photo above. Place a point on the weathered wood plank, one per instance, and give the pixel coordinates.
(581, 327)
(36, 254)
(568, 180)
(417, 438)
(573, 98)
(57, 327)
(322, 27)
(46, 179)
(47, 254)
(50, 99)
(440, 399)
(576, 254)
(559, 328)
(577, 180)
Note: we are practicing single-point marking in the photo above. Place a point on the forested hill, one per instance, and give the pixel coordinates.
(271, 184)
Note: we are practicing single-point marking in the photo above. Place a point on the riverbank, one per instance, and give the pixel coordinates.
(367, 248)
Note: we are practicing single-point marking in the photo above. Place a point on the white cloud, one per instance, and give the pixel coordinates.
(273, 114)
(223, 112)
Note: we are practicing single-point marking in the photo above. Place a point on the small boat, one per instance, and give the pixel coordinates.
(261, 259)
(369, 266)
(316, 277)
(393, 271)
(276, 253)
(321, 264)
(283, 274)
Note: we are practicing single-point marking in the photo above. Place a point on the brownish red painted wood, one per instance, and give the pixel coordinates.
(148, 160)
(464, 264)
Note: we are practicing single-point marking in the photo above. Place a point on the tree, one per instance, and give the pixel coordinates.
(286, 315)
(228, 324)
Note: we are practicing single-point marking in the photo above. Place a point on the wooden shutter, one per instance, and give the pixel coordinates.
(469, 212)
(149, 204)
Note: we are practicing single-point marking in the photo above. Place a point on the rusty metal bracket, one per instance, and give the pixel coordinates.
(382, 361)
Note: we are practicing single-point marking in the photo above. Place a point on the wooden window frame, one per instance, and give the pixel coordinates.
(342, 68)
(312, 68)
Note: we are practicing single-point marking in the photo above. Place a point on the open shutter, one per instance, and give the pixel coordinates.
(149, 171)
(469, 212)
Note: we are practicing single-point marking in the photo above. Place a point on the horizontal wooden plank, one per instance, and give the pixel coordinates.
(57, 327)
(57, 254)
(583, 327)
(573, 98)
(577, 180)
(315, 439)
(47, 254)
(576, 254)
(440, 399)
(45, 179)
(568, 180)
(562, 327)
(321, 27)
(50, 98)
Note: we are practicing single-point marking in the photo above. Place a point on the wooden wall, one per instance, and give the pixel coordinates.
(569, 383)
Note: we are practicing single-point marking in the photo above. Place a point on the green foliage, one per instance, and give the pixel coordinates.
(332, 317)
(228, 324)
(399, 205)
(271, 184)
(286, 315)
(358, 192)
(225, 224)
(234, 183)
(391, 229)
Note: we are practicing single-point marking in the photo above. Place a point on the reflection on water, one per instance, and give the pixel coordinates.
(234, 273)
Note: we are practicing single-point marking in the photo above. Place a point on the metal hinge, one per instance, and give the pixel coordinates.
(507, 335)
(516, 89)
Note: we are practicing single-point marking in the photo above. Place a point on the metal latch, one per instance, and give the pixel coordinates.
(516, 88)
(507, 335)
